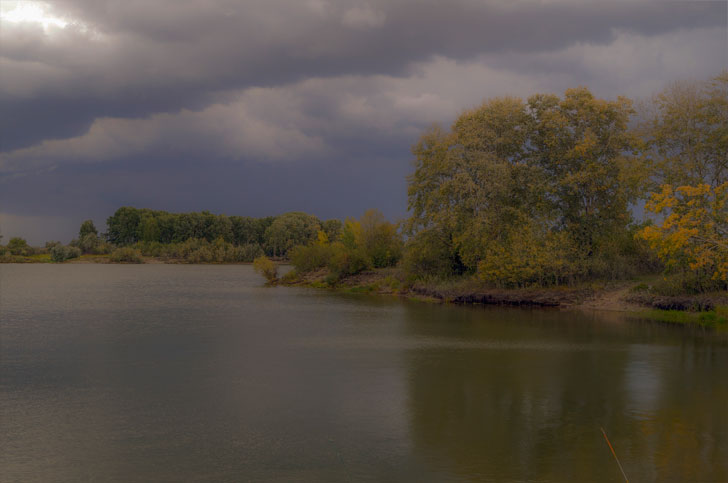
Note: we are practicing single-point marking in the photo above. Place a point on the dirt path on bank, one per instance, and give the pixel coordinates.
(611, 299)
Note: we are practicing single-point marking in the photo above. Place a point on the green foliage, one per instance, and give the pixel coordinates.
(123, 226)
(311, 257)
(88, 242)
(18, 246)
(345, 261)
(236, 238)
(126, 255)
(371, 242)
(716, 319)
(431, 252)
(686, 282)
(87, 228)
(265, 267)
(60, 253)
(378, 239)
(340, 260)
(527, 193)
(333, 229)
(131, 225)
(196, 250)
(249, 231)
(289, 230)
(526, 258)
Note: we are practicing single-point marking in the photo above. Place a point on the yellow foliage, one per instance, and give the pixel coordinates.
(695, 232)
(323, 238)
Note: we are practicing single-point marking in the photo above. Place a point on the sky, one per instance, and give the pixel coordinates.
(259, 107)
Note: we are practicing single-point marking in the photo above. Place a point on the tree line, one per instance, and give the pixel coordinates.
(517, 192)
(543, 191)
(207, 237)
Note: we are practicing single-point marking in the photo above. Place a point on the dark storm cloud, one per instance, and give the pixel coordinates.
(263, 106)
(132, 58)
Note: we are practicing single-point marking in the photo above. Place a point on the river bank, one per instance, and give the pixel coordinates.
(710, 310)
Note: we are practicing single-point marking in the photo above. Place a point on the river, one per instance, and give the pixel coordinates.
(200, 373)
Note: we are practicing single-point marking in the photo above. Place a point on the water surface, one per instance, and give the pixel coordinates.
(199, 373)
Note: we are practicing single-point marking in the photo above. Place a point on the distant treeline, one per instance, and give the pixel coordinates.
(273, 236)
(188, 237)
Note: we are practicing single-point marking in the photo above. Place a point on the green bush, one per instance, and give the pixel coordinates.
(431, 253)
(309, 258)
(88, 243)
(201, 255)
(60, 253)
(689, 282)
(126, 255)
(347, 261)
(265, 267)
(290, 276)
(18, 246)
(151, 248)
(103, 248)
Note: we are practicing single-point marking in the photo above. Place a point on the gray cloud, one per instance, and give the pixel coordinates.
(134, 102)
(132, 58)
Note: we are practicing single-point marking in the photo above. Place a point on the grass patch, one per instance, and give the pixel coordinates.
(362, 289)
(716, 319)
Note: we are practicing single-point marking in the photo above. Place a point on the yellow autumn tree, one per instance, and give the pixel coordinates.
(694, 231)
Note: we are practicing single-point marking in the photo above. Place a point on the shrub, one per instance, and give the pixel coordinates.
(309, 258)
(201, 255)
(431, 253)
(378, 239)
(686, 282)
(265, 267)
(290, 276)
(18, 246)
(150, 249)
(126, 255)
(103, 248)
(60, 253)
(88, 243)
(346, 261)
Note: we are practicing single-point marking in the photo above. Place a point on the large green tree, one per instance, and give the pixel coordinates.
(289, 230)
(590, 161)
(557, 172)
(473, 181)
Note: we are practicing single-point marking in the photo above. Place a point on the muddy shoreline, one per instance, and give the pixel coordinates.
(618, 297)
